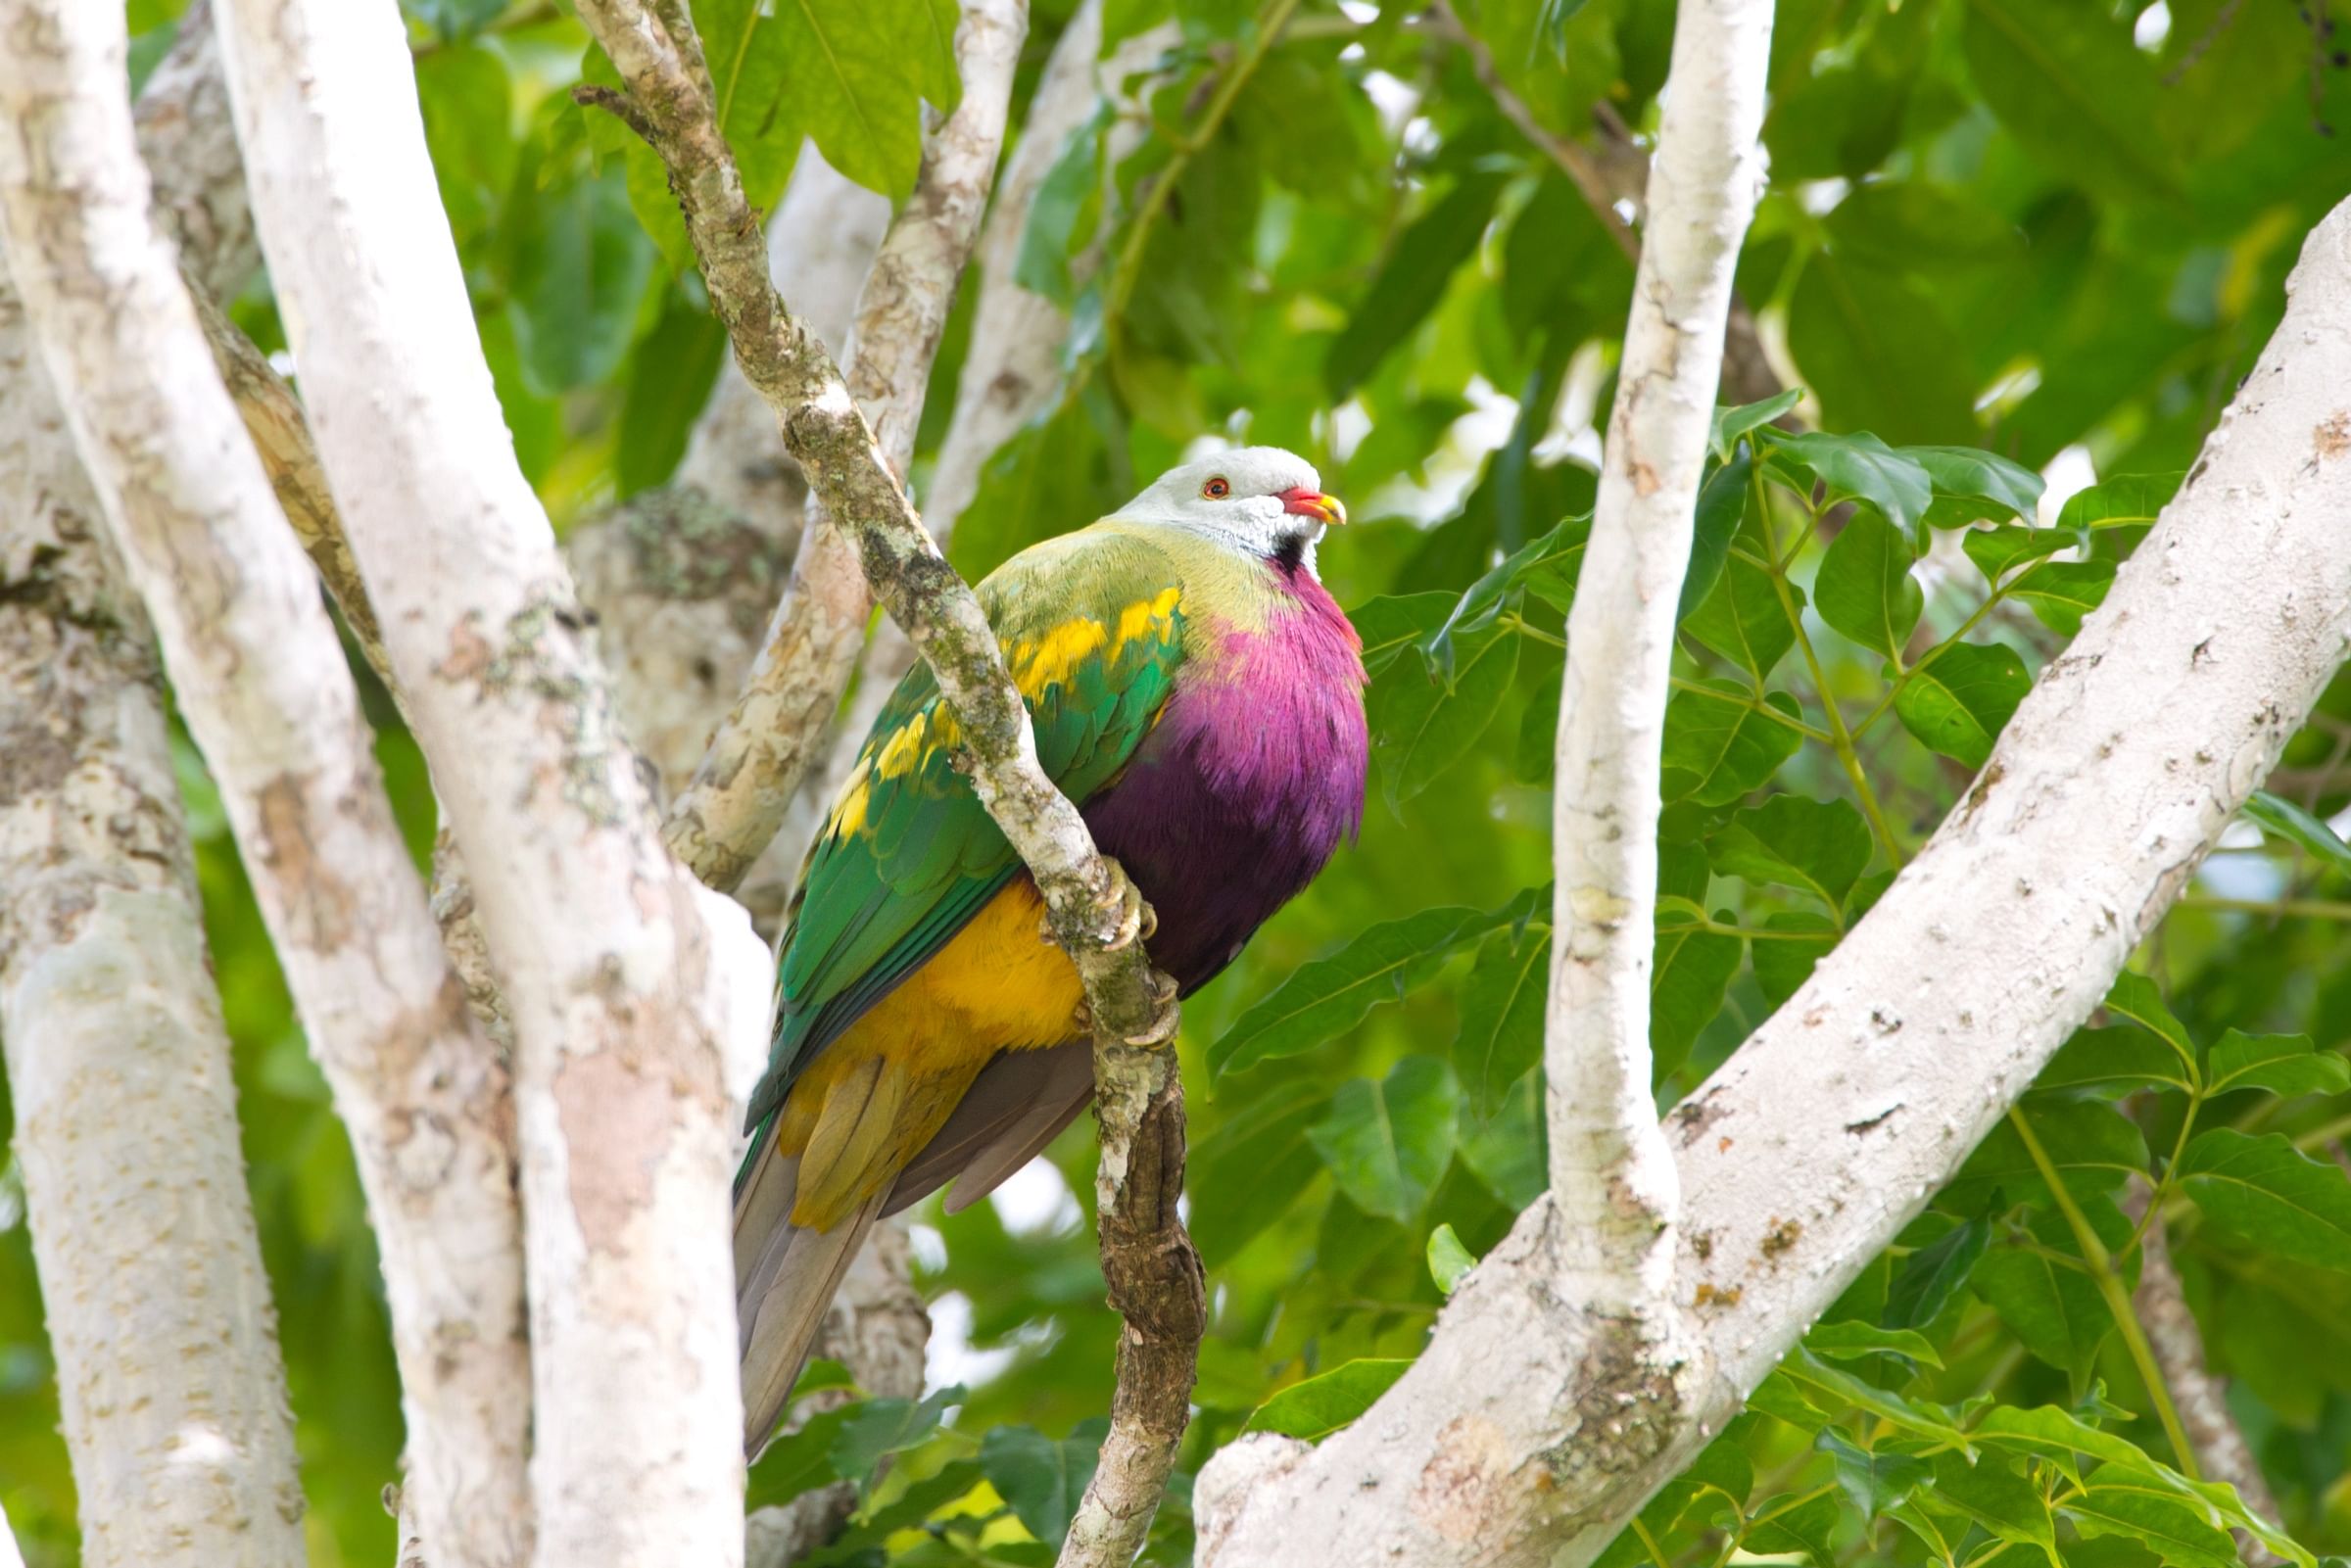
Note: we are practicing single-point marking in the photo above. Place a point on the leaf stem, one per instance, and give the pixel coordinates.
(2118, 1299)
(1757, 704)
(1840, 739)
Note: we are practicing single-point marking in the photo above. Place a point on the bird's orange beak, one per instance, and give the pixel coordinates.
(1314, 504)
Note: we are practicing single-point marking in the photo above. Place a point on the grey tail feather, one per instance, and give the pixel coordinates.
(785, 1279)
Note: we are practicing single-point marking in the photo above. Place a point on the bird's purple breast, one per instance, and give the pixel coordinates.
(1252, 778)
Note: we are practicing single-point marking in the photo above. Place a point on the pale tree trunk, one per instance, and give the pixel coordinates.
(1508, 1442)
(169, 1373)
(259, 673)
(638, 998)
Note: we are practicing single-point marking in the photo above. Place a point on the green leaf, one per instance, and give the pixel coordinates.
(1330, 995)
(1315, 1407)
(2115, 1061)
(2047, 1432)
(2133, 996)
(1689, 975)
(1248, 1173)
(1730, 424)
(1422, 725)
(798, 1461)
(1852, 1339)
(1064, 213)
(879, 1428)
(2065, 79)
(2003, 549)
(1395, 622)
(1388, 1143)
(1559, 553)
(1864, 587)
(1721, 507)
(1872, 1482)
(1743, 620)
(1833, 1388)
(1448, 1258)
(1501, 1006)
(2062, 592)
(2265, 1191)
(2125, 500)
(2092, 1145)
(2056, 1312)
(1785, 1525)
(1819, 847)
(2282, 1063)
(1930, 1277)
(1412, 280)
(1876, 347)
(1859, 467)
(1506, 1153)
(1973, 474)
(579, 269)
(1040, 1477)
(1957, 703)
(1718, 747)
(2120, 1501)
(2285, 820)
(1995, 1496)
(856, 73)
(1782, 965)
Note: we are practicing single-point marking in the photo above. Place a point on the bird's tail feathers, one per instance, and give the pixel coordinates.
(785, 1279)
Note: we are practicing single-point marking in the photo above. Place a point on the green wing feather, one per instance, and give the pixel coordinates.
(1092, 627)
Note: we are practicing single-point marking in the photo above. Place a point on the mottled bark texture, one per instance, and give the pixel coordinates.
(1611, 1174)
(258, 671)
(158, 1314)
(778, 722)
(637, 997)
(1528, 1431)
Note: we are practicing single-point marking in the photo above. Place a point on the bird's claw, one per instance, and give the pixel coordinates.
(1138, 920)
(1165, 1018)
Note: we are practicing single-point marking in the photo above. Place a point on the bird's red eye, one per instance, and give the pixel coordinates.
(1216, 489)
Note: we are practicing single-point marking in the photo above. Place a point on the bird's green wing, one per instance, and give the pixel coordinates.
(1091, 624)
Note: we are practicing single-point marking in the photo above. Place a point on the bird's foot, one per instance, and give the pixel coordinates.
(1137, 920)
(1165, 1016)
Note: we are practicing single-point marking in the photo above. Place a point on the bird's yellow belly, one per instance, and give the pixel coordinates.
(871, 1099)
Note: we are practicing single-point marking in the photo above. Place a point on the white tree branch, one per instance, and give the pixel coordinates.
(746, 784)
(1529, 1431)
(1610, 1172)
(259, 673)
(638, 998)
(158, 1314)
(190, 144)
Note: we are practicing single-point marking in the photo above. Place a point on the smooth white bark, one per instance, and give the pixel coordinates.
(638, 998)
(259, 673)
(1529, 1430)
(1610, 1172)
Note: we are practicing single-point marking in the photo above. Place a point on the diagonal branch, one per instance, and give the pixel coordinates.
(745, 783)
(1092, 907)
(637, 997)
(1611, 1174)
(258, 675)
(1527, 1432)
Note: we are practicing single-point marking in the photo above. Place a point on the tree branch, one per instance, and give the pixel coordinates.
(1093, 910)
(169, 1374)
(638, 998)
(258, 671)
(1611, 1174)
(1512, 1440)
(745, 783)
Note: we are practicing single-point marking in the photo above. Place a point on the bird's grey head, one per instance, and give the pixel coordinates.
(1261, 500)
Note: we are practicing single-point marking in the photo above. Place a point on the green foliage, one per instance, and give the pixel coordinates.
(1995, 230)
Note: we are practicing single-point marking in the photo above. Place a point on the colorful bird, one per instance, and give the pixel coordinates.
(1198, 693)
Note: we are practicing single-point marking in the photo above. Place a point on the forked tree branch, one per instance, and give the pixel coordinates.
(637, 997)
(1612, 1175)
(1529, 1430)
(778, 726)
(258, 675)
